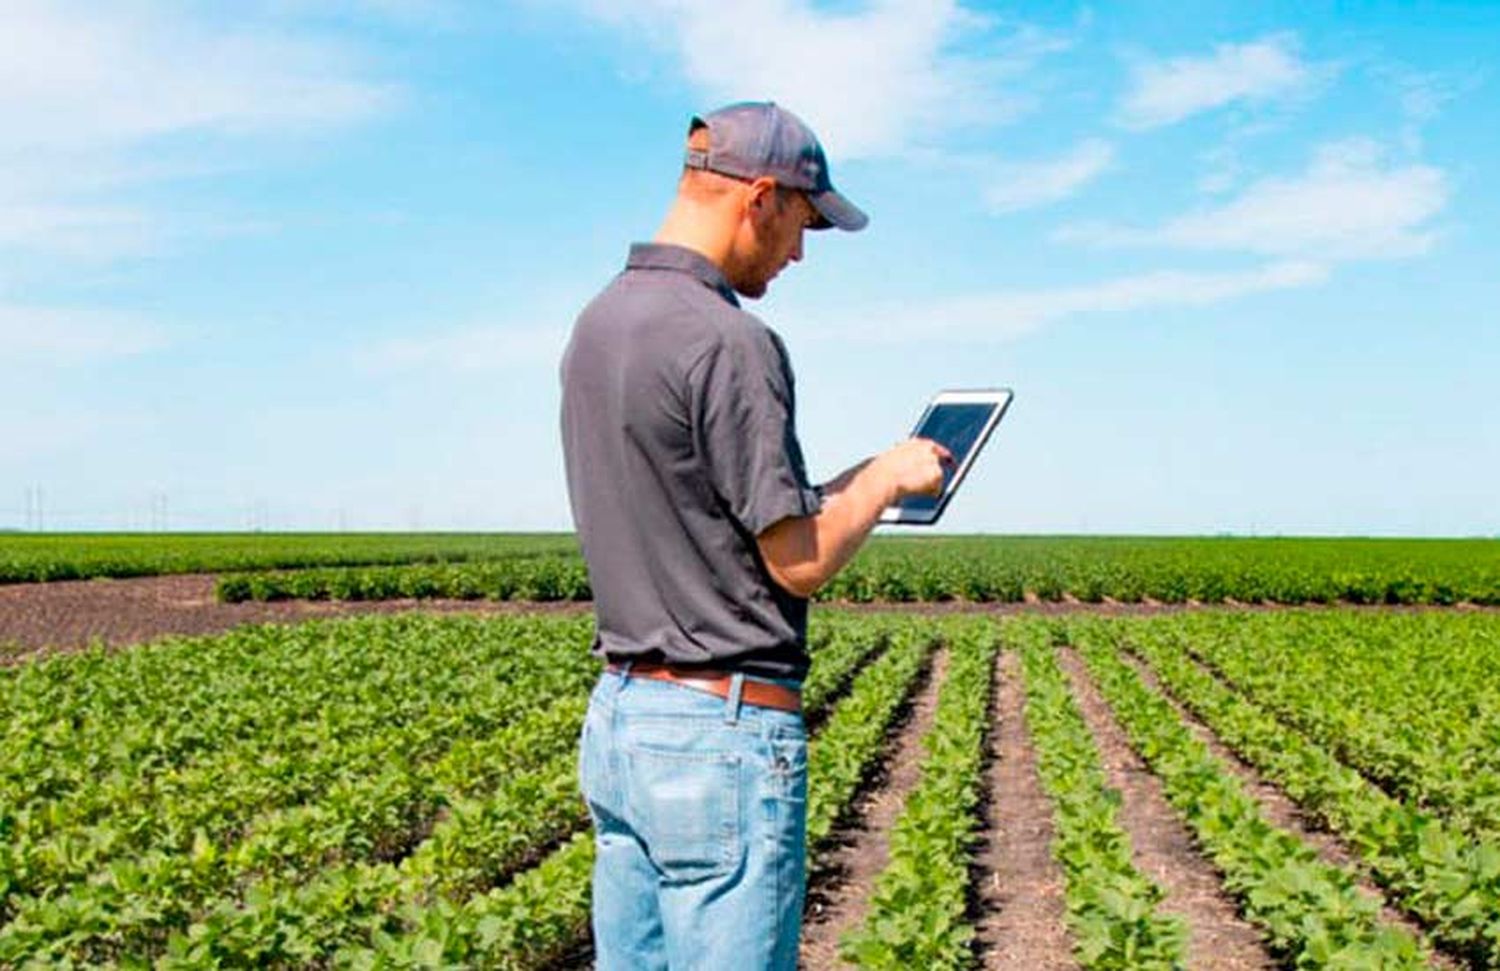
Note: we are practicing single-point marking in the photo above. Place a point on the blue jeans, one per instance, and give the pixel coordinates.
(700, 822)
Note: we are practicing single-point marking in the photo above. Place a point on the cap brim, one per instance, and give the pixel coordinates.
(837, 212)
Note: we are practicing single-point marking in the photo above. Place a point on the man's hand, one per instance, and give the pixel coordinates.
(915, 467)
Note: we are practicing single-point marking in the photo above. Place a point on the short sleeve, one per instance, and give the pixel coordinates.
(744, 420)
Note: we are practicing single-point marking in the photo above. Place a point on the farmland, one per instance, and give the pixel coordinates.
(902, 568)
(41, 557)
(400, 791)
(993, 569)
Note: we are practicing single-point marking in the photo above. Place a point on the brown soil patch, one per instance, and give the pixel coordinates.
(70, 614)
(838, 895)
(1280, 811)
(1164, 850)
(1023, 925)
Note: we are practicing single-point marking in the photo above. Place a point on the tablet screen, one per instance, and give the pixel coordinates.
(957, 427)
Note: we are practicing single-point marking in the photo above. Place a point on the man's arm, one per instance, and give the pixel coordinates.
(802, 553)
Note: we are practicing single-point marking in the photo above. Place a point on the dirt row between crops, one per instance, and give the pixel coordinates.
(1018, 903)
(1018, 897)
(1022, 918)
(839, 889)
(1163, 849)
(1280, 811)
(71, 614)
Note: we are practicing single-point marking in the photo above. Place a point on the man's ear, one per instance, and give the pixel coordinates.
(761, 199)
(763, 190)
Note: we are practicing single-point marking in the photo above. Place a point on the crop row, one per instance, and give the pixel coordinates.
(540, 578)
(450, 782)
(998, 569)
(26, 558)
(1453, 885)
(1173, 570)
(917, 916)
(1312, 913)
(1111, 906)
(123, 882)
(1408, 700)
(266, 767)
(543, 914)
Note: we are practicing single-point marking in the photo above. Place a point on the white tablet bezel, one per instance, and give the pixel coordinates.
(1001, 398)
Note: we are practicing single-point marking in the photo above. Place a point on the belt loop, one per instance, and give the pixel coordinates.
(732, 703)
(624, 673)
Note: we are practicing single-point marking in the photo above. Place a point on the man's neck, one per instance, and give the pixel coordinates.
(694, 228)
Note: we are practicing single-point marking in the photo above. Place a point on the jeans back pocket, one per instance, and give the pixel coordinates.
(686, 806)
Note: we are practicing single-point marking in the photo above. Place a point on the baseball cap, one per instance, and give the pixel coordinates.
(755, 138)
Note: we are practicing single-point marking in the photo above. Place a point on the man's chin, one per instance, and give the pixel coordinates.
(753, 291)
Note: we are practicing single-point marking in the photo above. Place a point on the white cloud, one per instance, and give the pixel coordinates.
(1164, 92)
(1024, 185)
(473, 349)
(424, 13)
(52, 335)
(1423, 95)
(1010, 315)
(81, 76)
(872, 82)
(1348, 204)
(70, 229)
(98, 99)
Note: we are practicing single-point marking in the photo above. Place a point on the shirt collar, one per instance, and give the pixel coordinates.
(669, 256)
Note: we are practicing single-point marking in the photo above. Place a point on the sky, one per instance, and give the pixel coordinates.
(310, 264)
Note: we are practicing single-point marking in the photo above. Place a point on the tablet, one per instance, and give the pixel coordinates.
(961, 421)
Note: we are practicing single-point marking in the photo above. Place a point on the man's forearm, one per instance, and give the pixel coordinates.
(841, 481)
(852, 504)
(802, 553)
(805, 553)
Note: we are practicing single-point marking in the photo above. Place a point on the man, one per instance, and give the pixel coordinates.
(704, 539)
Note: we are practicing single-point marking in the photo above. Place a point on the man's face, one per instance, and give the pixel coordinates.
(775, 239)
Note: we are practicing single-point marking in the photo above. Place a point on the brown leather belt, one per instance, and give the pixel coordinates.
(753, 692)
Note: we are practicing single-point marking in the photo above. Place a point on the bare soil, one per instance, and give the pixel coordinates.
(1164, 850)
(1022, 920)
(839, 888)
(69, 615)
(1280, 811)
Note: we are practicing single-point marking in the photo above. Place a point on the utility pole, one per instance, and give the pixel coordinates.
(159, 512)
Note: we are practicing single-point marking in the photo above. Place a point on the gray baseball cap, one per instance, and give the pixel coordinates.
(756, 138)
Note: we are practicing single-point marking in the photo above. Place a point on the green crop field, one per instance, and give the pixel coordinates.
(890, 568)
(34, 557)
(995, 569)
(401, 791)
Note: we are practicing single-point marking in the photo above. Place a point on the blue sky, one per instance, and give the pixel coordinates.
(311, 266)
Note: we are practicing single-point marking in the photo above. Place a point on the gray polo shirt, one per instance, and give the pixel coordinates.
(678, 427)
